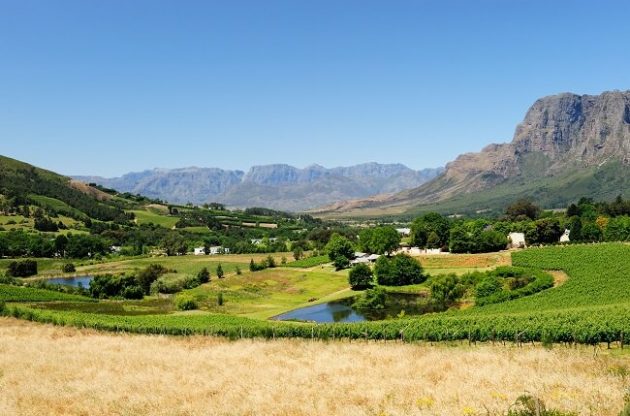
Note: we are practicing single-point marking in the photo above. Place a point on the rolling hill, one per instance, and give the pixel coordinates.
(568, 146)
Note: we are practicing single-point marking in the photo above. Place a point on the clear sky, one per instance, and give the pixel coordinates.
(108, 87)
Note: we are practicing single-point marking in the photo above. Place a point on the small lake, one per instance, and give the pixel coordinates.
(344, 310)
(79, 281)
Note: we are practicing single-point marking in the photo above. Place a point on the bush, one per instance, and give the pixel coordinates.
(22, 268)
(527, 405)
(108, 286)
(68, 268)
(220, 273)
(132, 292)
(220, 299)
(238, 271)
(488, 286)
(185, 303)
(360, 277)
(203, 276)
(399, 270)
(446, 290)
(149, 275)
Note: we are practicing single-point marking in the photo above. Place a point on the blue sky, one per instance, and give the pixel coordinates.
(108, 87)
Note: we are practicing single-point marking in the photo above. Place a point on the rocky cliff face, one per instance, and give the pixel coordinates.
(277, 186)
(568, 129)
(559, 134)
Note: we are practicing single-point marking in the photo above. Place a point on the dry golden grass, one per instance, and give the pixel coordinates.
(46, 370)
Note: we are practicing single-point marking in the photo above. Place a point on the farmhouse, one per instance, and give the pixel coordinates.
(564, 238)
(364, 258)
(405, 232)
(516, 240)
(201, 251)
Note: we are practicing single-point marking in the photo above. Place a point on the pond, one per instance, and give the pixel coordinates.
(344, 310)
(78, 281)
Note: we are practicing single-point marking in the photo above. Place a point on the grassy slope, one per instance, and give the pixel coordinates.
(151, 216)
(270, 292)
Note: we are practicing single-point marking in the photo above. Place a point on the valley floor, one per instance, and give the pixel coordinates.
(66, 371)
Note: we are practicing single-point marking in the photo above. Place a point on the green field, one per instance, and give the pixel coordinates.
(270, 292)
(591, 307)
(150, 216)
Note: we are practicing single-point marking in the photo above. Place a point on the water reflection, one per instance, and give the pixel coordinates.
(345, 310)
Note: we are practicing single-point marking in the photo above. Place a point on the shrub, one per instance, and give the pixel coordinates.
(132, 292)
(185, 303)
(488, 286)
(238, 271)
(149, 275)
(220, 273)
(68, 268)
(360, 277)
(203, 276)
(22, 268)
(108, 286)
(446, 290)
(527, 405)
(220, 299)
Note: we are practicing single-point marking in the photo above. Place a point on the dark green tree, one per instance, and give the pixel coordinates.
(203, 276)
(360, 277)
(398, 270)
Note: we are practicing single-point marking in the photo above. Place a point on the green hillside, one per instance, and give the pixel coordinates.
(556, 191)
(21, 183)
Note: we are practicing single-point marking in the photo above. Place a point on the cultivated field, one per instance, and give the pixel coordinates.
(46, 370)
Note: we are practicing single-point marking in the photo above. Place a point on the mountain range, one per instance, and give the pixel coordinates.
(276, 186)
(567, 146)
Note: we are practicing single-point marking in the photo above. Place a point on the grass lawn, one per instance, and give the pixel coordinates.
(185, 265)
(270, 292)
(145, 217)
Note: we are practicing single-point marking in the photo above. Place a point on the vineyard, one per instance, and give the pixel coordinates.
(591, 307)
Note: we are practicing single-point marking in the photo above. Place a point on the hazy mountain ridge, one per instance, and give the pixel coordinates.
(564, 139)
(278, 186)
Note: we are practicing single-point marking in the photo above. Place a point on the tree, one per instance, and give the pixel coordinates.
(446, 290)
(433, 240)
(522, 208)
(341, 262)
(338, 248)
(399, 270)
(173, 243)
(490, 241)
(431, 222)
(149, 275)
(546, 231)
(22, 268)
(298, 252)
(220, 271)
(203, 276)
(360, 277)
(379, 240)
